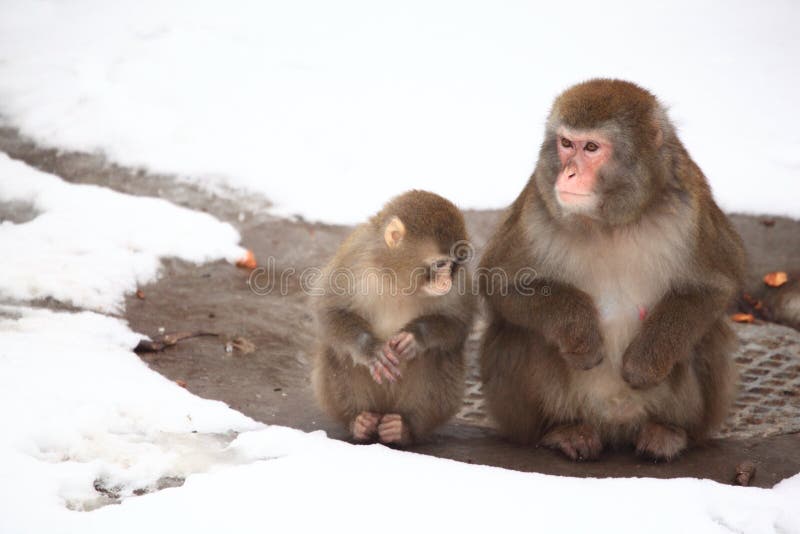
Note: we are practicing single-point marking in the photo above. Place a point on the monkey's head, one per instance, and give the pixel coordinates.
(601, 159)
(423, 239)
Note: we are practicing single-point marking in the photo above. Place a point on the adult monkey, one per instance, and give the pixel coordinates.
(621, 335)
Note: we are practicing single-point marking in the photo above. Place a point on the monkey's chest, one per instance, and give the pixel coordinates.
(388, 316)
(622, 304)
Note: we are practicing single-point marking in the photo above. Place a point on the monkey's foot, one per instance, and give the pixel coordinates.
(661, 442)
(365, 426)
(392, 430)
(579, 441)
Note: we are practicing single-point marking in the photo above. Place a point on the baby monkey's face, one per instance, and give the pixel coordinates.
(439, 276)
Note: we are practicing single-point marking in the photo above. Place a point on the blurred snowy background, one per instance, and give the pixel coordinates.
(327, 109)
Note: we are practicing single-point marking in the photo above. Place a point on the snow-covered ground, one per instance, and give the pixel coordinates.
(88, 245)
(330, 108)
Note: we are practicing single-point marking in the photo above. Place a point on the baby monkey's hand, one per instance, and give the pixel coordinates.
(404, 345)
(384, 364)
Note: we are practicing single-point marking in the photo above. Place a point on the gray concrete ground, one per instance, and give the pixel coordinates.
(271, 384)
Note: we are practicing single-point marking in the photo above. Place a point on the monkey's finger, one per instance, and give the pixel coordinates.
(385, 369)
(391, 357)
(569, 450)
(582, 448)
(395, 427)
(371, 417)
(390, 365)
(404, 343)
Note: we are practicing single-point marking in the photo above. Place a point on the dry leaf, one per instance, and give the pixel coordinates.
(776, 279)
(743, 317)
(243, 345)
(181, 383)
(161, 342)
(248, 261)
(140, 294)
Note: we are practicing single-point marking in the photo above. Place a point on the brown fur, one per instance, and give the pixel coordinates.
(576, 352)
(354, 325)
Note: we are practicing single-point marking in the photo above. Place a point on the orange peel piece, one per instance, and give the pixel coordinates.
(248, 261)
(776, 279)
(743, 317)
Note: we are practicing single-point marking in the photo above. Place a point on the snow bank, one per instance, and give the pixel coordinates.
(81, 412)
(80, 409)
(88, 245)
(330, 108)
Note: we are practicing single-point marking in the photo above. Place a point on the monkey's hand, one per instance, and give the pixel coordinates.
(580, 343)
(384, 364)
(646, 362)
(404, 344)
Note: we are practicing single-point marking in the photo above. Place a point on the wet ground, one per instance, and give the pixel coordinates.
(271, 383)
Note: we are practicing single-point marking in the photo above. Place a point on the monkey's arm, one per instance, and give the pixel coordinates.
(437, 331)
(350, 333)
(684, 315)
(670, 332)
(564, 315)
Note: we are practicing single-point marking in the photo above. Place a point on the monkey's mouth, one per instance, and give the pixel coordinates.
(440, 278)
(438, 287)
(572, 201)
(571, 194)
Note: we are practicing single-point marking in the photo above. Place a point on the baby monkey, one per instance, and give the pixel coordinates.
(394, 309)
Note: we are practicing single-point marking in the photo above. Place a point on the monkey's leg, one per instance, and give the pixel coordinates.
(702, 391)
(429, 395)
(661, 442)
(523, 381)
(392, 430)
(579, 441)
(365, 426)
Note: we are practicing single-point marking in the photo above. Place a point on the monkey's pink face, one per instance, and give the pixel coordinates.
(582, 155)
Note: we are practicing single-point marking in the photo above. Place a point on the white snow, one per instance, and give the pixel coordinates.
(330, 108)
(88, 245)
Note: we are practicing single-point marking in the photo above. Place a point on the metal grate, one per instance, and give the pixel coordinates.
(768, 401)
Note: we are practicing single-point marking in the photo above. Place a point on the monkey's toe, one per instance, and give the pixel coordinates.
(392, 430)
(579, 441)
(661, 442)
(365, 426)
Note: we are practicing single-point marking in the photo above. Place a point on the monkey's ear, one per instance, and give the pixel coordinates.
(395, 232)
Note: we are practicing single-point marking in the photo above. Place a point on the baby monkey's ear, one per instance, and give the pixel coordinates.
(395, 232)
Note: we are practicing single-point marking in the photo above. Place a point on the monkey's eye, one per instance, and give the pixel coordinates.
(442, 264)
(591, 146)
(566, 143)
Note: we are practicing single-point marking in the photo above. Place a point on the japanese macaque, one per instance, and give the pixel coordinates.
(394, 308)
(620, 336)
